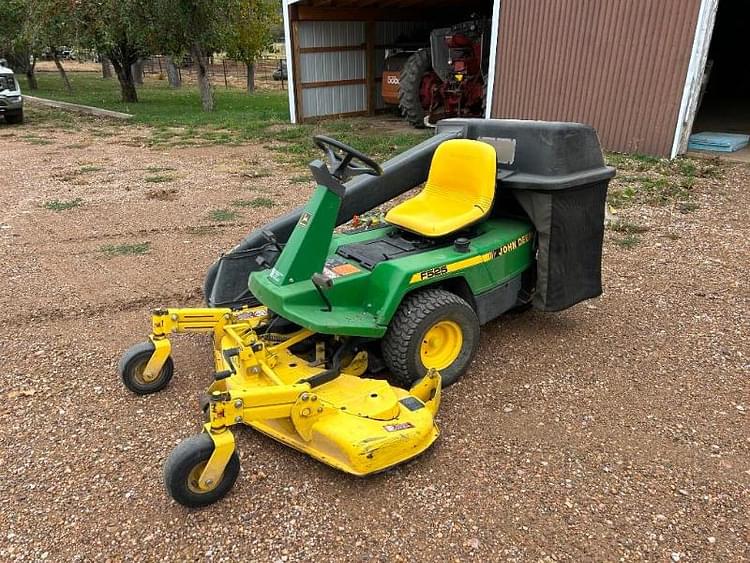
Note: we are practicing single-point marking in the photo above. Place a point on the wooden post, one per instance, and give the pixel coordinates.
(297, 72)
(370, 53)
(224, 64)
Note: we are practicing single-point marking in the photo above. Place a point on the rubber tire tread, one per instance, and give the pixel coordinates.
(133, 355)
(410, 80)
(189, 453)
(399, 354)
(14, 118)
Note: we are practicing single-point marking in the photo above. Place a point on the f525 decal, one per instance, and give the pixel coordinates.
(438, 271)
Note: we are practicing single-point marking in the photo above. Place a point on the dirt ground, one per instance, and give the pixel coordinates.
(616, 430)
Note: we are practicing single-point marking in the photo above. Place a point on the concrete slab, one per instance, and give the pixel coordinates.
(98, 112)
(742, 155)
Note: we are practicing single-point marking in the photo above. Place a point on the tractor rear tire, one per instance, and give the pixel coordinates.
(455, 329)
(410, 83)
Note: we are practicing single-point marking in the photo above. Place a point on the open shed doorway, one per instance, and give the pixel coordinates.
(348, 56)
(724, 104)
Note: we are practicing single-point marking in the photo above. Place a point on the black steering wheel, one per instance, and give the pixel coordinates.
(341, 156)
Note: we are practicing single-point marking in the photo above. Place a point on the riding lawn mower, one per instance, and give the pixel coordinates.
(338, 340)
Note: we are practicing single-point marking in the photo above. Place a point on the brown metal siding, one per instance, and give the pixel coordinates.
(619, 65)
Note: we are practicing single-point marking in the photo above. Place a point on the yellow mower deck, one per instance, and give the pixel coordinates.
(355, 424)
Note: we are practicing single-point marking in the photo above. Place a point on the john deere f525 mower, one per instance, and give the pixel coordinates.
(338, 343)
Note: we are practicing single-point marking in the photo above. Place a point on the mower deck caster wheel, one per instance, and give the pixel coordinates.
(184, 467)
(132, 365)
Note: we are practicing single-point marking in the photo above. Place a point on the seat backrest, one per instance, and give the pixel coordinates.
(465, 169)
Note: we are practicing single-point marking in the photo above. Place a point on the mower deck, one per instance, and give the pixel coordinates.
(355, 424)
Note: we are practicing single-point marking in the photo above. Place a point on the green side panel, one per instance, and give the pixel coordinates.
(365, 301)
(306, 250)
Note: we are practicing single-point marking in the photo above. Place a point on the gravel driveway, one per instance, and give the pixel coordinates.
(616, 430)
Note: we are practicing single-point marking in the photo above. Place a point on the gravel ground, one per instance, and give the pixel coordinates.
(616, 430)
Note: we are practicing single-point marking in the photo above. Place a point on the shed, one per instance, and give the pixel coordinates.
(634, 69)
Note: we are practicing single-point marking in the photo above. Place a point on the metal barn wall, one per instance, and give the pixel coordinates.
(332, 66)
(619, 65)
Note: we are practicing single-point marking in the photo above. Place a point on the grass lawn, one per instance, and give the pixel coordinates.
(178, 120)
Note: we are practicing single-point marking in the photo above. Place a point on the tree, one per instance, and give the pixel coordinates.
(173, 73)
(106, 67)
(197, 27)
(15, 44)
(51, 23)
(250, 32)
(118, 29)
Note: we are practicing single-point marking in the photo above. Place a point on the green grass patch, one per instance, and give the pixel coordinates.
(686, 167)
(158, 178)
(63, 205)
(256, 202)
(222, 215)
(255, 174)
(36, 140)
(202, 230)
(300, 180)
(178, 120)
(628, 241)
(155, 169)
(687, 206)
(136, 249)
(87, 169)
(627, 227)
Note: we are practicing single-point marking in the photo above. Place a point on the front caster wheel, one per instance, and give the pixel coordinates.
(132, 366)
(184, 467)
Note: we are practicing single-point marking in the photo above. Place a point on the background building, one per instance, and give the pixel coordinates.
(634, 69)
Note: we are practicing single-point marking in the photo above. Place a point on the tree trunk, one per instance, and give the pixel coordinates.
(204, 81)
(106, 69)
(250, 77)
(125, 77)
(22, 61)
(173, 74)
(31, 75)
(136, 71)
(63, 74)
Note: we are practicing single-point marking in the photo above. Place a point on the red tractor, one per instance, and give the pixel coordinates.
(447, 80)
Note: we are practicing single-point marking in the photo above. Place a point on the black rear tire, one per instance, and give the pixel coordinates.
(14, 118)
(410, 82)
(418, 313)
(185, 464)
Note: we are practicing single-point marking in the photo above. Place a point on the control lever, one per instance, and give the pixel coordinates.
(323, 283)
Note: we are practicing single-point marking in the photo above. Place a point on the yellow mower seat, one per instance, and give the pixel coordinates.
(459, 190)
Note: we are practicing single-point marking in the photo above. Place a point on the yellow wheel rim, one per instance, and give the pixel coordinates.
(139, 373)
(195, 475)
(441, 345)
